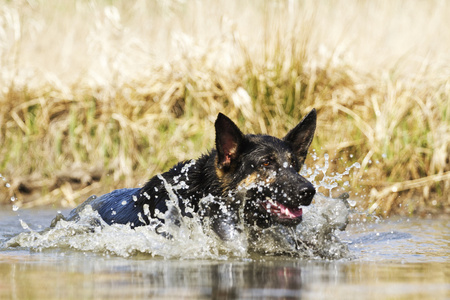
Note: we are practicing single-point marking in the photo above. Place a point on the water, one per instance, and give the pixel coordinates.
(398, 259)
(325, 257)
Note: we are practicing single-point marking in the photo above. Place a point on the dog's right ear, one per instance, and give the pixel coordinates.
(228, 141)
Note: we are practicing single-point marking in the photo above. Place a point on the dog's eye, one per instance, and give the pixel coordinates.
(267, 161)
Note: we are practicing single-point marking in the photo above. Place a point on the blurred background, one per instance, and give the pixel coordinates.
(97, 95)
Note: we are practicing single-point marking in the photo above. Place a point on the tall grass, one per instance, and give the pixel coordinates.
(122, 90)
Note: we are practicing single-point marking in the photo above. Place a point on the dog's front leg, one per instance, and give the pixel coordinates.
(226, 225)
(222, 218)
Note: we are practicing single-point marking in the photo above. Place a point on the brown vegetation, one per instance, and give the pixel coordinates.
(95, 97)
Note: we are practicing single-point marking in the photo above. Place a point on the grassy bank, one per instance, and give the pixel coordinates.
(97, 95)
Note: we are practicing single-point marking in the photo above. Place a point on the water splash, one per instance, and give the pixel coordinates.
(190, 239)
(184, 237)
(8, 185)
(328, 181)
(91, 233)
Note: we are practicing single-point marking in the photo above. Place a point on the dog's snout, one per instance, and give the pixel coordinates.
(306, 194)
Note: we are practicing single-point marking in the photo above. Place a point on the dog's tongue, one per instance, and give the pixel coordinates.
(281, 210)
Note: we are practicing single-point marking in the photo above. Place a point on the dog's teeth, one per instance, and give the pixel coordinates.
(289, 213)
(272, 202)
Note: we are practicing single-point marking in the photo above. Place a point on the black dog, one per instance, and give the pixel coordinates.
(250, 177)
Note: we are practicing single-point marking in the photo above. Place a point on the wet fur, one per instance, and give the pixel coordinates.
(238, 176)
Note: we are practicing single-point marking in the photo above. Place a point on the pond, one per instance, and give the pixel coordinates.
(395, 259)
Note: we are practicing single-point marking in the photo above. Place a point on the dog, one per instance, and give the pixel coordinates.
(247, 180)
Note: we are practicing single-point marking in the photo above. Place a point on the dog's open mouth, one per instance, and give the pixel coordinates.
(281, 211)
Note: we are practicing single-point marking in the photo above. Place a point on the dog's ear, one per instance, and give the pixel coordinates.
(301, 136)
(228, 140)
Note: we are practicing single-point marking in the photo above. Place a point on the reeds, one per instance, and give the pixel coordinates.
(126, 90)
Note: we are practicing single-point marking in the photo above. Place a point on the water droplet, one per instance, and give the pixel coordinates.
(124, 202)
(7, 185)
(15, 208)
(13, 198)
(146, 208)
(24, 225)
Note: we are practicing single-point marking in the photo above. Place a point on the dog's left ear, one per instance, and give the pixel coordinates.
(301, 136)
(228, 141)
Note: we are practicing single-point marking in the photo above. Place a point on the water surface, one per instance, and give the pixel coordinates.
(389, 259)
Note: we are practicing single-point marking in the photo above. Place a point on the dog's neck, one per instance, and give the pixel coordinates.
(189, 180)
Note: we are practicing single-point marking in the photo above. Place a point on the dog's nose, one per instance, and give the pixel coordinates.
(306, 194)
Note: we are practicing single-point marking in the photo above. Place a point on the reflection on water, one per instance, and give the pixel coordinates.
(402, 259)
(77, 275)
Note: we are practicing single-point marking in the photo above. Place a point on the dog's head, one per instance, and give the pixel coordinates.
(265, 171)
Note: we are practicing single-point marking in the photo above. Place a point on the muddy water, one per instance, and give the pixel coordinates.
(386, 259)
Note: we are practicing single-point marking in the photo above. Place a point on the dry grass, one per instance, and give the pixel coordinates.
(95, 97)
